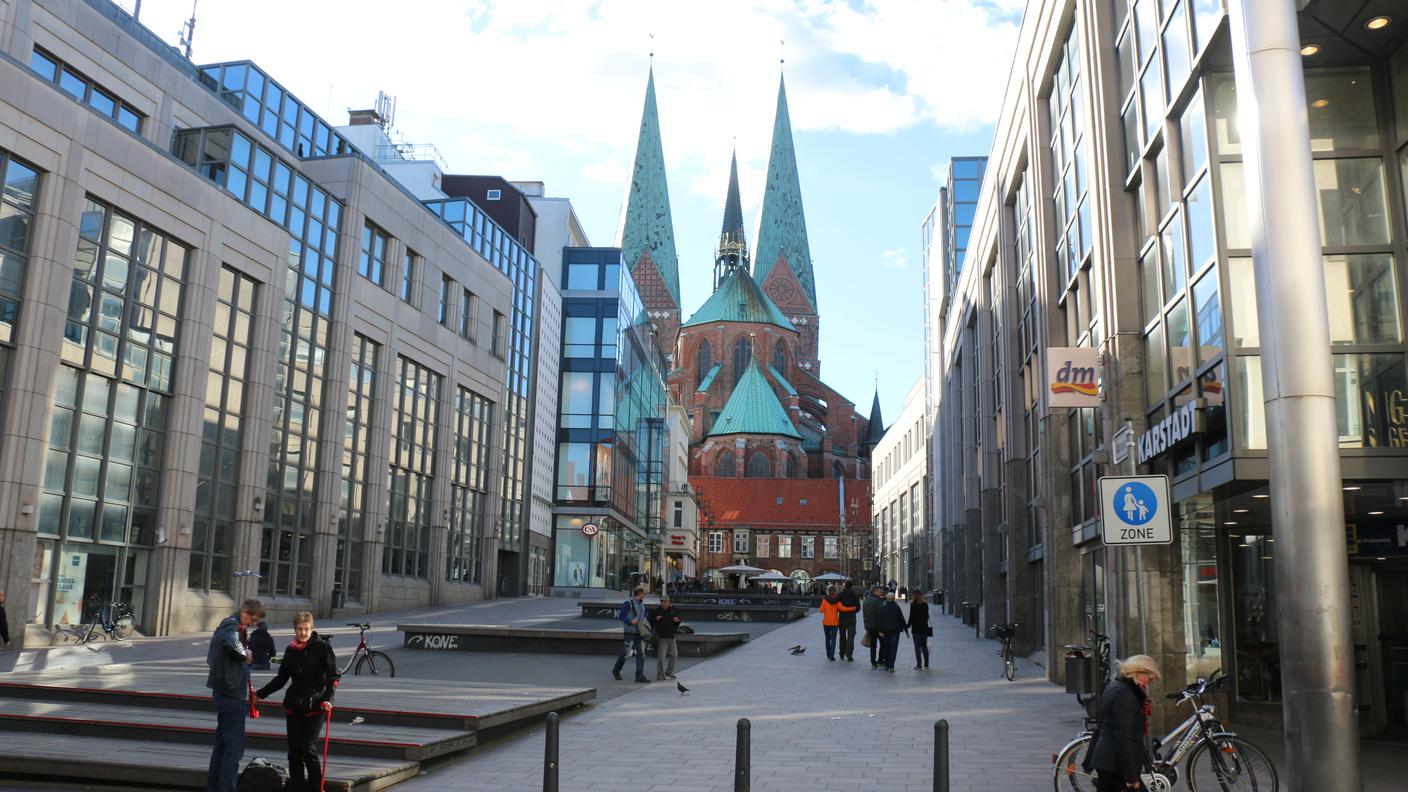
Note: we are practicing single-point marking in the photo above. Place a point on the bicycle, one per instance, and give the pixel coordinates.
(1005, 633)
(364, 657)
(114, 617)
(1104, 669)
(1217, 760)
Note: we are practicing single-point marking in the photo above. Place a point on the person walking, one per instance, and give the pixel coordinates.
(1118, 754)
(831, 609)
(891, 625)
(229, 658)
(665, 620)
(870, 614)
(635, 626)
(309, 667)
(850, 604)
(261, 643)
(4, 624)
(919, 631)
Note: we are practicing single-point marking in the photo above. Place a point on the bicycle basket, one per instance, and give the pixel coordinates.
(1003, 631)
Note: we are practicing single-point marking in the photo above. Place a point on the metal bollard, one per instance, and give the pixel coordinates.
(550, 763)
(743, 757)
(941, 755)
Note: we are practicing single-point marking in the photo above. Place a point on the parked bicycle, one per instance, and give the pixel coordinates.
(365, 658)
(114, 618)
(1103, 669)
(1005, 633)
(1217, 760)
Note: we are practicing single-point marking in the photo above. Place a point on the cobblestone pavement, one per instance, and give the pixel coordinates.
(816, 725)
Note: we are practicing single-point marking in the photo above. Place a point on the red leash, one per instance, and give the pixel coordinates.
(253, 702)
(327, 735)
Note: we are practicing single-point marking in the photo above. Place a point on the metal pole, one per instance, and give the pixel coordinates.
(1139, 549)
(550, 764)
(1307, 505)
(941, 755)
(743, 757)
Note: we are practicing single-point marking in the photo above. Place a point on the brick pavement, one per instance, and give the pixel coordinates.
(817, 725)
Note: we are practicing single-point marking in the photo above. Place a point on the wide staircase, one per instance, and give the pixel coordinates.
(152, 727)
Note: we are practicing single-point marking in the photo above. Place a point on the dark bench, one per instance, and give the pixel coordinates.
(474, 638)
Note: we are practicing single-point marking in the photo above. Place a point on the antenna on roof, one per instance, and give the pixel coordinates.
(652, 49)
(385, 110)
(188, 31)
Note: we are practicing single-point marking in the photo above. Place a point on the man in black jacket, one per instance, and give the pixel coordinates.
(848, 598)
(665, 620)
(870, 616)
(229, 658)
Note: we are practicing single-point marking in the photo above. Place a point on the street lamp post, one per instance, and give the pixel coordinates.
(1307, 505)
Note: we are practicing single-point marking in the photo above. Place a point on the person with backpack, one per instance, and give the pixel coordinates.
(635, 627)
(1117, 754)
(309, 668)
(229, 658)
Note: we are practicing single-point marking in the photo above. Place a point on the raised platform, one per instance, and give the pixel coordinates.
(153, 726)
(690, 611)
(476, 638)
(732, 598)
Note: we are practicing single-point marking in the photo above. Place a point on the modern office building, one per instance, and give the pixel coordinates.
(900, 463)
(611, 444)
(232, 342)
(1112, 216)
(681, 536)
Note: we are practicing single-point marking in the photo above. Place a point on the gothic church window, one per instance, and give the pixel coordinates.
(703, 360)
(742, 351)
(779, 356)
(724, 465)
(791, 466)
(759, 466)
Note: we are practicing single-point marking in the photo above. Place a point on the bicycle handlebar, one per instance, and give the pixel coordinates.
(1199, 687)
(359, 626)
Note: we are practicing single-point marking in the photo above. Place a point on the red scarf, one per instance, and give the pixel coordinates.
(297, 645)
(1147, 705)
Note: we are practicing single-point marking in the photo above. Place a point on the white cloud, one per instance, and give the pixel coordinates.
(608, 171)
(896, 258)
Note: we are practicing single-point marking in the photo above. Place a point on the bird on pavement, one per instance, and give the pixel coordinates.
(682, 689)
(799, 650)
(794, 649)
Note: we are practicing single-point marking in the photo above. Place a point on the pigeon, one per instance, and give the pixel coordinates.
(357, 720)
(681, 688)
(794, 649)
(799, 650)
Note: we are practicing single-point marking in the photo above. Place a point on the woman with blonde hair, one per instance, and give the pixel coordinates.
(1118, 754)
(309, 667)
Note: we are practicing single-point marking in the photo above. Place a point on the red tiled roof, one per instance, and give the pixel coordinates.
(754, 502)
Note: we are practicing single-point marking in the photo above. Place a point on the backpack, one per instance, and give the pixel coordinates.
(261, 775)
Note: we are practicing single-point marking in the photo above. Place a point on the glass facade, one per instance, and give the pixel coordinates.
(107, 429)
(509, 257)
(469, 489)
(72, 82)
(19, 190)
(964, 182)
(269, 106)
(415, 406)
(213, 526)
(356, 440)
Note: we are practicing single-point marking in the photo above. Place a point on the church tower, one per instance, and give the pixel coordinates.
(732, 252)
(782, 260)
(647, 233)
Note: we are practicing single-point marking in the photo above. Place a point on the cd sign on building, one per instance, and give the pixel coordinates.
(1072, 377)
(590, 529)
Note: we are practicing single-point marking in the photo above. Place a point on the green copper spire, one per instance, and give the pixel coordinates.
(645, 222)
(782, 231)
(753, 408)
(733, 206)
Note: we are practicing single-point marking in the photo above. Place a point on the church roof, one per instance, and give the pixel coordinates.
(875, 428)
(646, 224)
(753, 408)
(738, 299)
(708, 380)
(782, 228)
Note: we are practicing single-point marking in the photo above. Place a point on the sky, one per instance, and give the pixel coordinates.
(882, 93)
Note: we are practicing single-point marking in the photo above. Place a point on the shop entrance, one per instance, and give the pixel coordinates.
(1379, 617)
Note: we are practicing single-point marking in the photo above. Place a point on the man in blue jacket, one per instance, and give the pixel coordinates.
(632, 618)
(229, 658)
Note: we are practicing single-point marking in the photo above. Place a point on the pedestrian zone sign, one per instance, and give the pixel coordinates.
(1135, 510)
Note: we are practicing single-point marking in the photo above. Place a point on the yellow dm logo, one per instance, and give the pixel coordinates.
(1075, 379)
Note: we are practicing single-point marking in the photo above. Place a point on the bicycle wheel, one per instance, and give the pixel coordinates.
(1230, 764)
(1067, 775)
(1009, 664)
(122, 627)
(375, 663)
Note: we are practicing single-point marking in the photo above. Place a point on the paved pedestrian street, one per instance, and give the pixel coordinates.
(816, 725)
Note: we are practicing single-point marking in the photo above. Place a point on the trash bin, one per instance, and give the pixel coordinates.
(1080, 674)
(970, 613)
(337, 597)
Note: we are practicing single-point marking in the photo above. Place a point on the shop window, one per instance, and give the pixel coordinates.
(1249, 401)
(1092, 589)
(1254, 612)
(1202, 624)
(1365, 387)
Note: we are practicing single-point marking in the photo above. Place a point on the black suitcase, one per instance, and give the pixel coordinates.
(261, 775)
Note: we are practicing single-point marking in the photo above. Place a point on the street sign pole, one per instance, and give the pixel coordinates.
(1138, 549)
(1135, 510)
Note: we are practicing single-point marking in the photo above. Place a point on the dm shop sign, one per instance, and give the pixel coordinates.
(1169, 432)
(1072, 377)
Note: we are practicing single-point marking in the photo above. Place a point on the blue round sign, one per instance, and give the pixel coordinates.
(1135, 503)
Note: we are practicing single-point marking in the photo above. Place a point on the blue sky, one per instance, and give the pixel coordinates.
(882, 93)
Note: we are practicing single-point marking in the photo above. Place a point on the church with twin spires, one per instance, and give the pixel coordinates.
(746, 365)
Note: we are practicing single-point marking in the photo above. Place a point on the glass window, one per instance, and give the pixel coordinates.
(582, 276)
(1146, 24)
(1209, 313)
(43, 65)
(1235, 228)
(1202, 243)
(1180, 342)
(1340, 105)
(1365, 386)
(1176, 55)
(447, 288)
(1254, 608)
(1175, 261)
(574, 462)
(1194, 134)
(579, 337)
(408, 276)
(1149, 276)
(1151, 95)
(577, 407)
(724, 466)
(1363, 299)
(1353, 207)
(1206, 16)
(1224, 115)
(1250, 402)
(1210, 384)
(1242, 299)
(759, 466)
(1155, 365)
(1202, 624)
(1124, 50)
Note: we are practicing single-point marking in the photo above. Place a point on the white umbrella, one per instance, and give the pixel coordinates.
(831, 576)
(770, 577)
(740, 569)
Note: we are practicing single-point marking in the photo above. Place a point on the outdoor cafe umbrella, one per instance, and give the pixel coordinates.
(771, 577)
(831, 576)
(741, 569)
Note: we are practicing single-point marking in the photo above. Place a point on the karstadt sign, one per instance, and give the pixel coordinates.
(1169, 432)
(1072, 377)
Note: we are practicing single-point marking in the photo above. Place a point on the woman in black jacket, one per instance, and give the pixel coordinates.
(310, 665)
(891, 625)
(1118, 755)
(919, 631)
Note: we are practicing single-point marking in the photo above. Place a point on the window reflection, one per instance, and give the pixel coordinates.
(1363, 299)
(1353, 206)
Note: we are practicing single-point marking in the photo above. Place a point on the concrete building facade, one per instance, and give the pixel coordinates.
(901, 467)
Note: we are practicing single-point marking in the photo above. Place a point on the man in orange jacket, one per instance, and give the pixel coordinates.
(831, 610)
